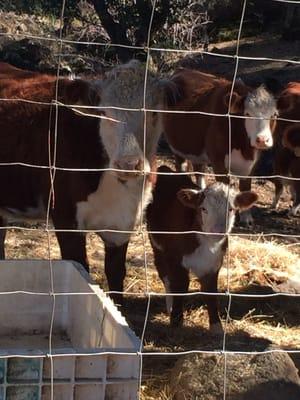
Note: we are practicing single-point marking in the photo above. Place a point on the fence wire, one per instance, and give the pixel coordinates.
(53, 167)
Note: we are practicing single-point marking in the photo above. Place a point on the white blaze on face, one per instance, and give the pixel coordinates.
(214, 209)
(128, 144)
(260, 105)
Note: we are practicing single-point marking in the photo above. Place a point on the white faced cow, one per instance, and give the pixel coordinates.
(83, 200)
(206, 139)
(179, 206)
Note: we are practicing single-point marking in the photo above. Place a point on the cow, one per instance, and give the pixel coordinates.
(34, 131)
(204, 139)
(287, 146)
(179, 205)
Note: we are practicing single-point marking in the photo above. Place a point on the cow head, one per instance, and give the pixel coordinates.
(289, 99)
(260, 111)
(213, 203)
(129, 134)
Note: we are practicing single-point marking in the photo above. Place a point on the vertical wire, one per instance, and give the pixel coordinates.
(227, 211)
(51, 198)
(143, 195)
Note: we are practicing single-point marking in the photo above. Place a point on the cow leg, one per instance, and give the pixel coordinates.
(278, 192)
(179, 283)
(209, 284)
(199, 177)
(115, 270)
(246, 218)
(72, 244)
(162, 269)
(2, 239)
(72, 247)
(296, 198)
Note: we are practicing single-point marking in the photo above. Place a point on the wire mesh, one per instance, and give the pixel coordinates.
(140, 230)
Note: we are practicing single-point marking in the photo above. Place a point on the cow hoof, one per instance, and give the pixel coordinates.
(216, 329)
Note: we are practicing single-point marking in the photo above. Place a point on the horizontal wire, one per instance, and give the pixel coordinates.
(77, 108)
(139, 232)
(151, 293)
(288, 1)
(141, 173)
(146, 353)
(156, 49)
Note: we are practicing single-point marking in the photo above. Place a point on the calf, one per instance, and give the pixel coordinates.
(287, 145)
(31, 134)
(204, 139)
(179, 205)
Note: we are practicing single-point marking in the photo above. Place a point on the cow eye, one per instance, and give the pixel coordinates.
(231, 209)
(204, 210)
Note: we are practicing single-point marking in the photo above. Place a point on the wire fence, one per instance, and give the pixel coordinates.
(140, 229)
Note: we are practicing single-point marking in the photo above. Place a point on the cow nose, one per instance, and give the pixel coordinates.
(262, 141)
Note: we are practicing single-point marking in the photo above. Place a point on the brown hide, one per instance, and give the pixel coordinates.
(167, 213)
(24, 137)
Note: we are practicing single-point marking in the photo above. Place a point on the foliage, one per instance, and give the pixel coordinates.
(52, 7)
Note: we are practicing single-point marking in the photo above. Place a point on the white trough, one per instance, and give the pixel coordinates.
(87, 333)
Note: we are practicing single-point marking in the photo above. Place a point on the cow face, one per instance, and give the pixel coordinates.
(260, 107)
(216, 206)
(129, 134)
(289, 99)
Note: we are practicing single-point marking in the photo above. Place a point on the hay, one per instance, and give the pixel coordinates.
(260, 262)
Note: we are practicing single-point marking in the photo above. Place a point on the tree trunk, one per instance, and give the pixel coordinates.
(116, 32)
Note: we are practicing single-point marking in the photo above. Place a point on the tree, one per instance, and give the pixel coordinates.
(127, 23)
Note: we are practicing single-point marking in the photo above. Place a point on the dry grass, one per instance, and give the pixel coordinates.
(257, 266)
(253, 264)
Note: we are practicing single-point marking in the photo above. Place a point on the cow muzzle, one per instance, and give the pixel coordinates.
(263, 142)
(129, 168)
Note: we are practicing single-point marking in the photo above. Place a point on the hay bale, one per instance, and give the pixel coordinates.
(271, 376)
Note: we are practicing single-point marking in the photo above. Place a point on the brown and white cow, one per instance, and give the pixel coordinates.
(180, 206)
(287, 145)
(96, 200)
(204, 139)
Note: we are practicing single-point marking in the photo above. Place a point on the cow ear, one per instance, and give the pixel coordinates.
(285, 103)
(291, 139)
(79, 92)
(190, 197)
(245, 200)
(237, 101)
